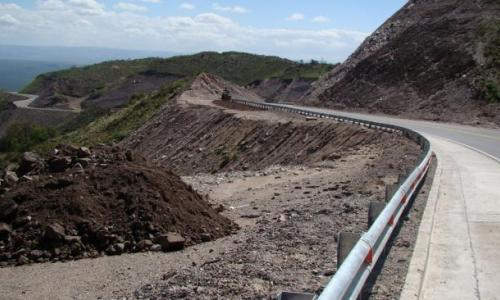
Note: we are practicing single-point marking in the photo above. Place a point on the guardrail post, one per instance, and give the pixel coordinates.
(345, 243)
(375, 208)
(390, 190)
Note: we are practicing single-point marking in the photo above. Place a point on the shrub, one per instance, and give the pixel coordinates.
(22, 137)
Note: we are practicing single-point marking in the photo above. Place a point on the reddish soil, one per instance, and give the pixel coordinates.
(117, 203)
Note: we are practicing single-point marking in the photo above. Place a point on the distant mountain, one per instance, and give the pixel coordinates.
(111, 84)
(434, 59)
(19, 65)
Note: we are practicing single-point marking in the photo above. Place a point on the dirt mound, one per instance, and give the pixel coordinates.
(207, 88)
(434, 60)
(81, 203)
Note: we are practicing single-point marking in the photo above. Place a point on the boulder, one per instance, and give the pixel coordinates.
(84, 152)
(10, 177)
(171, 241)
(144, 244)
(59, 164)
(5, 232)
(30, 162)
(84, 162)
(54, 233)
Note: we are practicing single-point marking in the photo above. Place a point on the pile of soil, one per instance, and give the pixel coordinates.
(85, 203)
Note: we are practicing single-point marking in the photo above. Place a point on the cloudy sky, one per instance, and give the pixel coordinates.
(324, 29)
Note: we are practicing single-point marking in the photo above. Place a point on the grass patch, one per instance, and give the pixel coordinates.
(20, 138)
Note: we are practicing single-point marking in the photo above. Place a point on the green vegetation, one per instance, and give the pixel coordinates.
(489, 33)
(491, 91)
(241, 68)
(110, 127)
(309, 71)
(20, 138)
(92, 127)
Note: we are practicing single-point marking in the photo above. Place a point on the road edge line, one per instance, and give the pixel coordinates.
(417, 269)
(475, 149)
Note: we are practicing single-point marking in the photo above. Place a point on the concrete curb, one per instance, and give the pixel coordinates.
(421, 253)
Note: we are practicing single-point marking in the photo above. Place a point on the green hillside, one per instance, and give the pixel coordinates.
(240, 68)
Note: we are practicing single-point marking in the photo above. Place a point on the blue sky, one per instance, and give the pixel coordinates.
(328, 30)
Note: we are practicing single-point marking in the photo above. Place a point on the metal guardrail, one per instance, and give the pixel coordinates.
(348, 281)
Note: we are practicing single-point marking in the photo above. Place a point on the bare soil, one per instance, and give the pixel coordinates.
(114, 205)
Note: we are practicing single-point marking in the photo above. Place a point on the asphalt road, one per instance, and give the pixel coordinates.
(484, 139)
(25, 104)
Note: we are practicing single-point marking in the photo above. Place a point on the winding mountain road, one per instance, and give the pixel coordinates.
(25, 103)
(456, 256)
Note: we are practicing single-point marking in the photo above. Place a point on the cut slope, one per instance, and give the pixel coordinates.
(433, 59)
(194, 135)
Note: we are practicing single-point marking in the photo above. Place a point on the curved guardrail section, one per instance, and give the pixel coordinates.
(348, 281)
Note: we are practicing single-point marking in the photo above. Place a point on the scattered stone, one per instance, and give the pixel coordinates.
(84, 152)
(54, 233)
(144, 244)
(23, 260)
(171, 241)
(10, 177)
(59, 164)
(30, 162)
(8, 208)
(5, 232)
(34, 254)
(119, 247)
(205, 237)
(156, 248)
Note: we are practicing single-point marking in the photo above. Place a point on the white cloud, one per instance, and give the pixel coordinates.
(65, 25)
(152, 1)
(296, 17)
(187, 6)
(86, 7)
(10, 6)
(8, 20)
(79, 7)
(234, 9)
(320, 19)
(130, 7)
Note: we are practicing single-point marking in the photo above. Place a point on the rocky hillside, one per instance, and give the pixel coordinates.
(111, 84)
(435, 60)
(197, 134)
